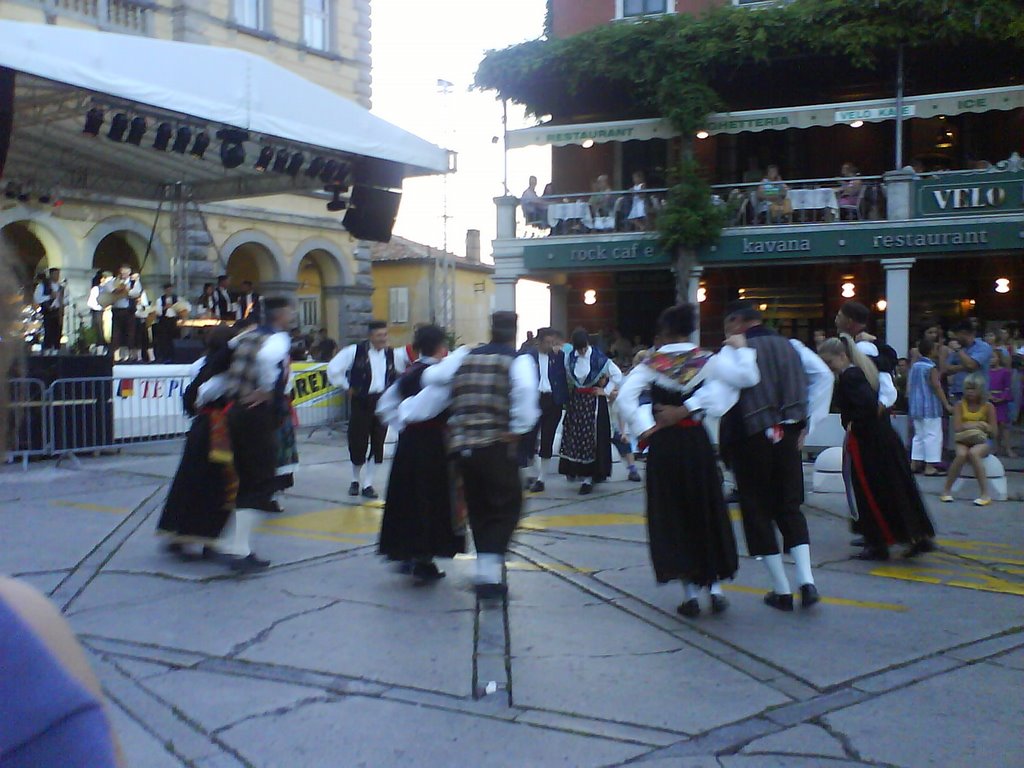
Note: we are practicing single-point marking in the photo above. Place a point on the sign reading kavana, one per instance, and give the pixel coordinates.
(974, 193)
(595, 253)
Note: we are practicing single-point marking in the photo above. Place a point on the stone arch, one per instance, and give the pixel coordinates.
(119, 235)
(332, 262)
(37, 244)
(320, 271)
(252, 255)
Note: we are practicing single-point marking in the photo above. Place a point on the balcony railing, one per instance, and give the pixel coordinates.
(803, 201)
(120, 15)
(582, 213)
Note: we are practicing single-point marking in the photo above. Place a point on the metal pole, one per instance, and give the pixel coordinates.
(504, 131)
(899, 109)
(448, 266)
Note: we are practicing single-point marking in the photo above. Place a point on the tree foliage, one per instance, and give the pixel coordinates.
(670, 66)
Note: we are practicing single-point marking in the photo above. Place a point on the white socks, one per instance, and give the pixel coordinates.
(539, 468)
(780, 584)
(802, 557)
(368, 474)
(690, 591)
(356, 472)
(716, 588)
(488, 567)
(552, 465)
(234, 539)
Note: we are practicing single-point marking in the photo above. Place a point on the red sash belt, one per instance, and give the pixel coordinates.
(599, 391)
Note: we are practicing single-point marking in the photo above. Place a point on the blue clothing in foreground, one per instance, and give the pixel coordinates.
(46, 717)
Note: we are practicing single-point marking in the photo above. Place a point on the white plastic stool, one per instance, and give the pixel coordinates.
(828, 472)
(995, 473)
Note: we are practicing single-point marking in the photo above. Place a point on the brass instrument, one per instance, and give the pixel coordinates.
(120, 291)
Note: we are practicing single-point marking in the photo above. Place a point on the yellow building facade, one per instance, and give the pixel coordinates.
(407, 280)
(287, 245)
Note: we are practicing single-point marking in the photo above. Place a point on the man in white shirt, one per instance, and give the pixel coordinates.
(223, 306)
(49, 297)
(122, 294)
(250, 304)
(535, 208)
(494, 402)
(550, 361)
(364, 371)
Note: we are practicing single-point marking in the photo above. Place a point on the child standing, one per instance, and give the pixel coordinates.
(927, 405)
(974, 426)
(1000, 387)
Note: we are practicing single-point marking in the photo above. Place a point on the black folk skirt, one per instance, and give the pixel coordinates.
(586, 449)
(688, 527)
(419, 508)
(884, 499)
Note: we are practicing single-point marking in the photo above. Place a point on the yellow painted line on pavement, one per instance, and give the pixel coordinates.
(520, 565)
(968, 577)
(90, 507)
(827, 600)
(975, 545)
(336, 521)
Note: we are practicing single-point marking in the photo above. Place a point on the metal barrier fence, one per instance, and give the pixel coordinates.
(102, 413)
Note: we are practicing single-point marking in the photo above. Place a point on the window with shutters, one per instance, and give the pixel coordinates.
(316, 24)
(398, 306)
(251, 14)
(309, 311)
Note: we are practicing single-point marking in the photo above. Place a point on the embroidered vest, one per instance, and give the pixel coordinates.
(481, 398)
(361, 376)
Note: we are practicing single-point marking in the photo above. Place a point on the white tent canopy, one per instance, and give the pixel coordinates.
(62, 72)
(777, 119)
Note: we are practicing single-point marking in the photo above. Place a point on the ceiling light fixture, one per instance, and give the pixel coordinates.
(1002, 285)
(702, 134)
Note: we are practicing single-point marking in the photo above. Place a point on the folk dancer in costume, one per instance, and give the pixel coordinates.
(549, 360)
(206, 304)
(50, 297)
(586, 450)
(364, 371)
(223, 306)
(143, 344)
(760, 439)
(250, 304)
(287, 418)
(493, 404)
(688, 527)
(419, 517)
(166, 331)
(258, 366)
(879, 481)
(203, 492)
(97, 310)
(121, 295)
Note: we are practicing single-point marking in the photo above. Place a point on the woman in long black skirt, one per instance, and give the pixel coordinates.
(688, 527)
(419, 522)
(884, 498)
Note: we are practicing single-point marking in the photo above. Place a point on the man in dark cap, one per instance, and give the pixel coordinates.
(853, 319)
(760, 440)
(493, 403)
(364, 371)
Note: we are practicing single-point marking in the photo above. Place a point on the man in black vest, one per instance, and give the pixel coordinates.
(760, 440)
(364, 371)
(250, 304)
(549, 360)
(166, 329)
(49, 297)
(222, 304)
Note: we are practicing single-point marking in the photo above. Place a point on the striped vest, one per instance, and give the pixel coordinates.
(481, 398)
(781, 395)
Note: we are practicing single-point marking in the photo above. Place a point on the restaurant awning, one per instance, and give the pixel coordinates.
(779, 119)
(61, 73)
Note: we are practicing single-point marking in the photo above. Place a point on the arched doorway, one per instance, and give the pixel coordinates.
(310, 294)
(252, 262)
(29, 254)
(119, 248)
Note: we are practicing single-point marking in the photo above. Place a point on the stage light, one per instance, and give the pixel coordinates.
(702, 134)
(341, 176)
(93, 121)
(588, 143)
(849, 290)
(881, 305)
(330, 168)
(337, 204)
(1002, 285)
(200, 145)
(295, 164)
(118, 126)
(590, 297)
(164, 131)
(181, 140)
(315, 166)
(857, 124)
(136, 131)
(280, 161)
(232, 147)
(264, 160)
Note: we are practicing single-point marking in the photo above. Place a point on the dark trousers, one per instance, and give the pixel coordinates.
(52, 327)
(770, 482)
(164, 333)
(365, 430)
(122, 329)
(141, 335)
(254, 444)
(546, 426)
(494, 498)
(97, 326)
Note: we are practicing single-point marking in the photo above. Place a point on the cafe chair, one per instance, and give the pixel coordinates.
(854, 211)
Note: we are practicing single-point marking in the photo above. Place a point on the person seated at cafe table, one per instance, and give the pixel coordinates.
(535, 208)
(772, 196)
(636, 219)
(849, 191)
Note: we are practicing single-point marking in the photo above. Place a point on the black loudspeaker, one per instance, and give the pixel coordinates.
(371, 213)
(187, 351)
(6, 113)
(83, 411)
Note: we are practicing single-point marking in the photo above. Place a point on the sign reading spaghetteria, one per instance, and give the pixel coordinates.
(970, 193)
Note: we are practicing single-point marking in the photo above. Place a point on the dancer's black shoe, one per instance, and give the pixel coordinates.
(369, 493)
(873, 553)
(425, 572)
(353, 490)
(809, 595)
(779, 602)
(689, 608)
(719, 603)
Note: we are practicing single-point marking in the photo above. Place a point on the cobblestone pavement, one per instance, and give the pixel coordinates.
(332, 659)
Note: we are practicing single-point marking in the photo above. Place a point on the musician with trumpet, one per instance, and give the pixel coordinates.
(122, 295)
(168, 309)
(50, 297)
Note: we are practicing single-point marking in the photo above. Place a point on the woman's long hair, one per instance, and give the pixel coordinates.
(846, 345)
